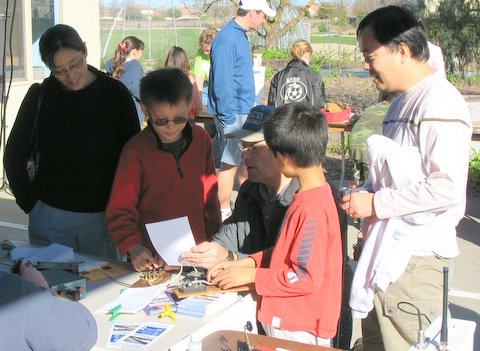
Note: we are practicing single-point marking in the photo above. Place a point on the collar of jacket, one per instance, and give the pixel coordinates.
(284, 199)
(187, 134)
(298, 62)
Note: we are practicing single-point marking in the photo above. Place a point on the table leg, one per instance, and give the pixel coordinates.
(342, 173)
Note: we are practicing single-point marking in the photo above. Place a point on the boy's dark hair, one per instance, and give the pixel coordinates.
(59, 37)
(392, 25)
(165, 85)
(299, 131)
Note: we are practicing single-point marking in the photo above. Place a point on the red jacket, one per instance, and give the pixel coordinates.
(151, 186)
(302, 288)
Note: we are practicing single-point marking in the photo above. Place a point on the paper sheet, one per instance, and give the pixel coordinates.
(51, 253)
(170, 238)
(120, 330)
(133, 300)
(145, 335)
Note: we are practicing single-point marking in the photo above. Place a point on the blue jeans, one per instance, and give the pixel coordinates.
(84, 232)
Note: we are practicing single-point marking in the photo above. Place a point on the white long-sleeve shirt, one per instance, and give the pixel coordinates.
(433, 118)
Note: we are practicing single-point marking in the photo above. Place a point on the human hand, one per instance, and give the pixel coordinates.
(358, 204)
(142, 259)
(164, 265)
(30, 273)
(206, 254)
(233, 276)
(213, 271)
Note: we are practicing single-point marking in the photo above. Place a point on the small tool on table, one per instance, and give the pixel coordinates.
(115, 312)
(168, 313)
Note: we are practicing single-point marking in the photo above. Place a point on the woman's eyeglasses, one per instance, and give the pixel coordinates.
(73, 67)
(164, 121)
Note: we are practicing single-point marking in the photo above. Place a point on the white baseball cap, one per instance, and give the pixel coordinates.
(259, 5)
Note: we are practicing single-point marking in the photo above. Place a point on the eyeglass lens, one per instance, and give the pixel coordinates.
(163, 122)
(73, 67)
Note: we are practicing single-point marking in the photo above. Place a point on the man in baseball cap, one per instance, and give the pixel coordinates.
(252, 128)
(258, 5)
(261, 204)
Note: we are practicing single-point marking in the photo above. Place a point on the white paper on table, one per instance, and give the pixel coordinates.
(120, 330)
(52, 253)
(145, 335)
(133, 300)
(170, 238)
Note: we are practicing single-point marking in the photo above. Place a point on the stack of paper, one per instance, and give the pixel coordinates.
(204, 306)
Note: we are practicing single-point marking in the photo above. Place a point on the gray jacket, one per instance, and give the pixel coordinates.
(32, 319)
(256, 221)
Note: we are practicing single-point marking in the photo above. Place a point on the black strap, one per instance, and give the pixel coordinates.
(34, 136)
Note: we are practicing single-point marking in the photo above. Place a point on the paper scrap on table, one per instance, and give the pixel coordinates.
(170, 238)
(133, 300)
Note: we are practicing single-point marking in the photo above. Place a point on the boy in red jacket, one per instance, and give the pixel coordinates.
(301, 288)
(164, 172)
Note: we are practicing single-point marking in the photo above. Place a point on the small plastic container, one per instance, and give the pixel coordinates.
(338, 117)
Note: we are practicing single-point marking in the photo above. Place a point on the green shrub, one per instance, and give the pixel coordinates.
(335, 148)
(322, 27)
(276, 54)
(453, 78)
(334, 74)
(269, 72)
(474, 174)
(473, 80)
(320, 60)
(316, 67)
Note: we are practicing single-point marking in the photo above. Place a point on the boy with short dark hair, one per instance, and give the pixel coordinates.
(165, 172)
(301, 288)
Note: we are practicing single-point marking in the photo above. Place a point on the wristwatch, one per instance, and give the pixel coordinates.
(231, 256)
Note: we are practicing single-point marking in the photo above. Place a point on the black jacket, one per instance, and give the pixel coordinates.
(80, 137)
(297, 83)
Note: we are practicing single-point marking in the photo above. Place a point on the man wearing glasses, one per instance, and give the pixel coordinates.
(262, 201)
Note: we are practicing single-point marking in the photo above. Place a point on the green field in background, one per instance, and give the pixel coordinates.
(161, 41)
(335, 39)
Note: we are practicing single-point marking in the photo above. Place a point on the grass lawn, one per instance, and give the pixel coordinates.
(161, 41)
(324, 39)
